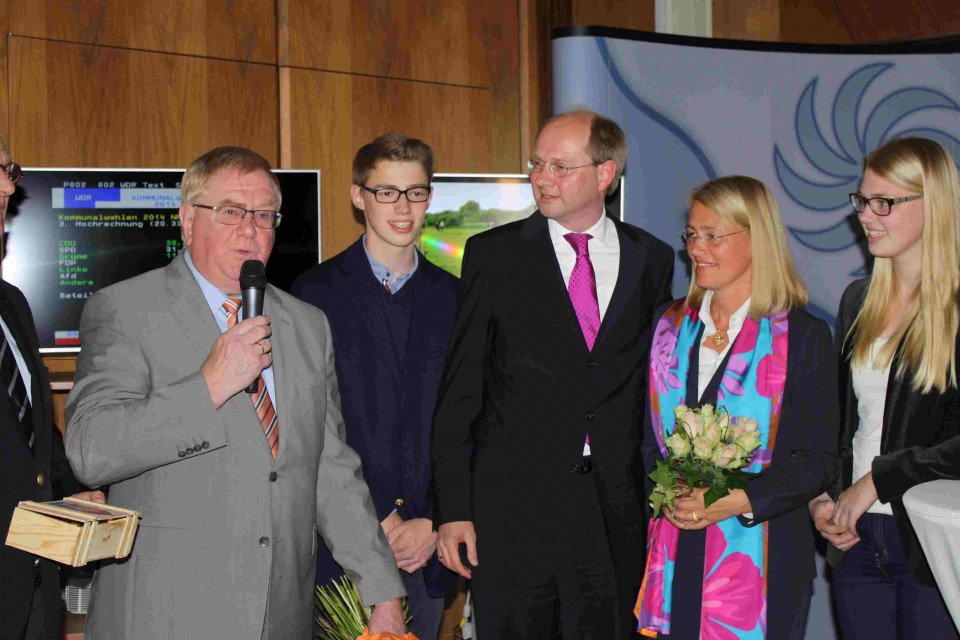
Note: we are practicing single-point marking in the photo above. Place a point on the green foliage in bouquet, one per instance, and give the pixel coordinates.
(708, 449)
(342, 614)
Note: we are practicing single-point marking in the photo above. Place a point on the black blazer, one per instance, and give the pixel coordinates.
(387, 404)
(920, 440)
(41, 474)
(520, 391)
(804, 461)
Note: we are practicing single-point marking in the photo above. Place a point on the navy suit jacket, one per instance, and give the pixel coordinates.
(41, 474)
(387, 404)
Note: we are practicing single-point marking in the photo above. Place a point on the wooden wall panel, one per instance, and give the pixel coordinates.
(812, 22)
(747, 20)
(869, 21)
(427, 40)
(231, 29)
(333, 114)
(98, 106)
(624, 14)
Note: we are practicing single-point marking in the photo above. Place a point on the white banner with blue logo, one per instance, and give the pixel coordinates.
(798, 118)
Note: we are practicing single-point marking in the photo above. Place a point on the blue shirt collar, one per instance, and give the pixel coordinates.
(383, 274)
(212, 294)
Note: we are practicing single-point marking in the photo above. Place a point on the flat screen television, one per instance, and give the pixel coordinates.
(466, 204)
(71, 232)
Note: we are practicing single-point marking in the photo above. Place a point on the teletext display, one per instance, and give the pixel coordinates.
(71, 232)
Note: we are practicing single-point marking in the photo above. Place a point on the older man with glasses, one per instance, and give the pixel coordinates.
(232, 486)
(33, 465)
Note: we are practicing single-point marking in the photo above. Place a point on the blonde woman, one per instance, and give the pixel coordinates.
(900, 410)
(742, 567)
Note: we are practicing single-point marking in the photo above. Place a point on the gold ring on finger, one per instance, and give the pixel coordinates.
(263, 350)
(695, 517)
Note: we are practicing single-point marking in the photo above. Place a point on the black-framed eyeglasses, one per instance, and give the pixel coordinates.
(13, 171)
(232, 214)
(689, 238)
(558, 169)
(389, 195)
(880, 206)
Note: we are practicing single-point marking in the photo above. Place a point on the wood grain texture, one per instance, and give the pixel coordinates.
(426, 40)
(232, 29)
(332, 114)
(812, 22)
(747, 20)
(639, 15)
(869, 21)
(90, 106)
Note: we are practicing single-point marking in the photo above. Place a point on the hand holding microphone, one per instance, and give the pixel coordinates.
(253, 282)
(241, 353)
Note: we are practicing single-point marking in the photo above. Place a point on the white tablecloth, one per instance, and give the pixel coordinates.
(934, 510)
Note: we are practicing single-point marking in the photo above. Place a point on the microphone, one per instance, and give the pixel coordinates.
(253, 282)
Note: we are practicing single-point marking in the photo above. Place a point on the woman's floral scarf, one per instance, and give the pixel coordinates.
(734, 571)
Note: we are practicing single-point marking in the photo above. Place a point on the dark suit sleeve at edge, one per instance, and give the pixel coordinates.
(805, 453)
(460, 398)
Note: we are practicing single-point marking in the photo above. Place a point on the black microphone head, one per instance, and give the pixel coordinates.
(253, 275)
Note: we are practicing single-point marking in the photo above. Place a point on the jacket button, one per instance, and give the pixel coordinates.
(574, 468)
(41, 479)
(273, 476)
(590, 415)
(181, 453)
(189, 450)
(591, 363)
(398, 502)
(205, 445)
(264, 541)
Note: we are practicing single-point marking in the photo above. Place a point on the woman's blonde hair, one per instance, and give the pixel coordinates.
(747, 203)
(928, 329)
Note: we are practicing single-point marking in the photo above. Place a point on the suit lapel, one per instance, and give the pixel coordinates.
(284, 371)
(15, 319)
(547, 270)
(369, 306)
(628, 279)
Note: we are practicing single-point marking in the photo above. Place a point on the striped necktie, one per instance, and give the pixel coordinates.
(261, 399)
(12, 381)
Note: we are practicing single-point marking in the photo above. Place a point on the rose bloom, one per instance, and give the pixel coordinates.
(727, 457)
(748, 441)
(693, 424)
(744, 425)
(713, 433)
(702, 448)
(678, 445)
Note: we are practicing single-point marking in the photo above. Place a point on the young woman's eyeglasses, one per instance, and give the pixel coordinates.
(880, 206)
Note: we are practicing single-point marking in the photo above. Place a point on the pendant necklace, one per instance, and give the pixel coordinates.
(719, 338)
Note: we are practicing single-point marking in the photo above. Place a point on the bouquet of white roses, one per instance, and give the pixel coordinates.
(708, 449)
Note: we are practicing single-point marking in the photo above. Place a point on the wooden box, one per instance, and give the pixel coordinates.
(72, 531)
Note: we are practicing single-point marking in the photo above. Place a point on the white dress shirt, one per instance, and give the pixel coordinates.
(709, 359)
(870, 387)
(604, 248)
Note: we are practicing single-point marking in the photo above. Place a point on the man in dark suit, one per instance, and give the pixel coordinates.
(536, 441)
(391, 313)
(33, 465)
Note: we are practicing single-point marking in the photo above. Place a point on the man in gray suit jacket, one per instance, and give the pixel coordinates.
(230, 503)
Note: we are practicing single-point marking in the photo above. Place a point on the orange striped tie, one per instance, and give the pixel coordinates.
(261, 399)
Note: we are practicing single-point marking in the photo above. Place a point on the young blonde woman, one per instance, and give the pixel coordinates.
(900, 409)
(742, 567)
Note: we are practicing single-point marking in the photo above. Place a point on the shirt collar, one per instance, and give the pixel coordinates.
(604, 232)
(736, 318)
(382, 273)
(212, 294)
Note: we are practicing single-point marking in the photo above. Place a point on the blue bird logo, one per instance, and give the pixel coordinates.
(839, 164)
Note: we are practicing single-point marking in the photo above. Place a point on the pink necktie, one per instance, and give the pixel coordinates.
(583, 288)
(261, 399)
